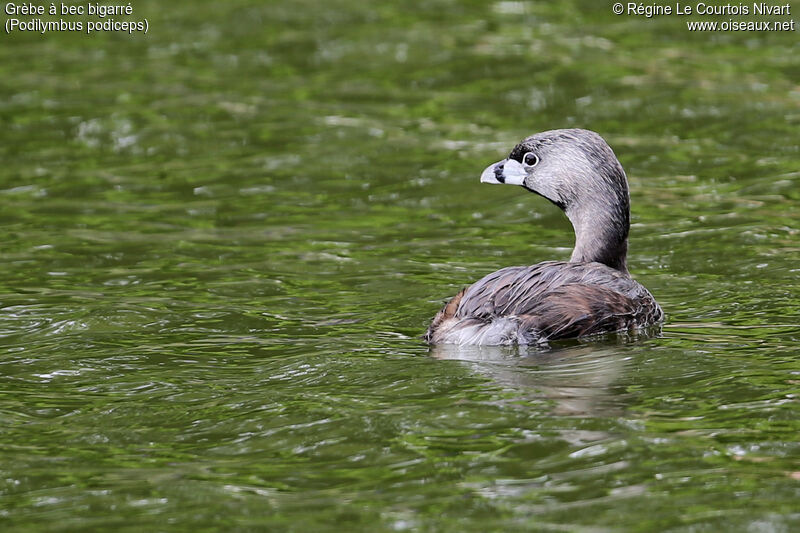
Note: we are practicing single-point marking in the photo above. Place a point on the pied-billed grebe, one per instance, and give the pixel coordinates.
(593, 292)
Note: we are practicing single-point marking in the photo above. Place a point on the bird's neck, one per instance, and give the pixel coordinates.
(601, 233)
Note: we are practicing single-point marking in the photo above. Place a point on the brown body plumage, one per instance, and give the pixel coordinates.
(593, 292)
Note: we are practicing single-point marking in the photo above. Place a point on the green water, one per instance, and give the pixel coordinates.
(222, 240)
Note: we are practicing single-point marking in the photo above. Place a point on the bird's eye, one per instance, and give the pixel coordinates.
(530, 159)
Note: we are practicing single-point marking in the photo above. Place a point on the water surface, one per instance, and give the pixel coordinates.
(222, 241)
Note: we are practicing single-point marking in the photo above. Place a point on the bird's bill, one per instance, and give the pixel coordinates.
(504, 172)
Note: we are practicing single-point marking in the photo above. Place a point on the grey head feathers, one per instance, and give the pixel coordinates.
(576, 170)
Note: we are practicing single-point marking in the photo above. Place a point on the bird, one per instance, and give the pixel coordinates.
(593, 292)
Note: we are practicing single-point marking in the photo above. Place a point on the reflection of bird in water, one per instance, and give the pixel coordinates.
(593, 292)
(576, 381)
